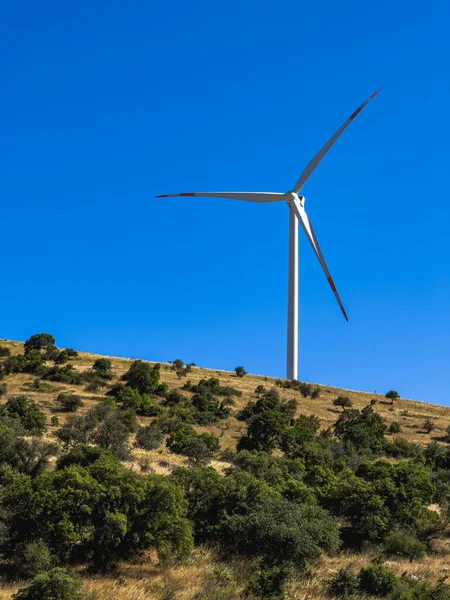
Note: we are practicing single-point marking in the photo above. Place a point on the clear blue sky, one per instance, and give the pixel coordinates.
(105, 104)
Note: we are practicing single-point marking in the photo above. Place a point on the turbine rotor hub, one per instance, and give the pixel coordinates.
(292, 196)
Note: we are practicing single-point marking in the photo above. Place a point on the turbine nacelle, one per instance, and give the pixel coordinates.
(292, 197)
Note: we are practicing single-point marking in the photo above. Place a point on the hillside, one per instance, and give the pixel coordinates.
(207, 575)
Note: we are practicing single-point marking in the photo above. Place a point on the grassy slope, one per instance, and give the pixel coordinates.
(203, 578)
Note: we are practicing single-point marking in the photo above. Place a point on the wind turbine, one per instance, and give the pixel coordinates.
(297, 215)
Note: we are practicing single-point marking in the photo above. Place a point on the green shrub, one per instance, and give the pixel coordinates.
(34, 558)
(377, 580)
(37, 385)
(260, 389)
(404, 545)
(401, 448)
(102, 367)
(409, 589)
(142, 377)
(3, 389)
(54, 421)
(149, 437)
(305, 389)
(69, 402)
(345, 583)
(4, 352)
(27, 412)
(61, 358)
(394, 427)
(269, 581)
(14, 364)
(175, 397)
(315, 393)
(112, 434)
(57, 584)
(240, 371)
(428, 425)
(66, 374)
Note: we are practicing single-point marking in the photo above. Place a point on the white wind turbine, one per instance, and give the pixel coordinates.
(296, 205)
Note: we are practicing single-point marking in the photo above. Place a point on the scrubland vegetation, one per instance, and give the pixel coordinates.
(130, 480)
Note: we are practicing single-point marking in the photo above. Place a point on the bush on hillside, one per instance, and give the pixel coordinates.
(33, 558)
(377, 580)
(69, 402)
(394, 427)
(199, 448)
(4, 352)
(401, 448)
(181, 369)
(27, 412)
(240, 371)
(3, 389)
(315, 393)
(103, 368)
(428, 425)
(404, 545)
(149, 437)
(57, 584)
(142, 404)
(345, 583)
(269, 581)
(142, 377)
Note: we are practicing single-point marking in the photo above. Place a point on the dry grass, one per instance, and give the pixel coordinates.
(204, 577)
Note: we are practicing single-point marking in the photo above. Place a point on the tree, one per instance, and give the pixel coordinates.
(69, 402)
(343, 401)
(142, 404)
(4, 352)
(103, 368)
(76, 430)
(428, 425)
(101, 512)
(361, 429)
(39, 341)
(240, 371)
(112, 434)
(266, 426)
(27, 412)
(297, 439)
(142, 377)
(392, 395)
(149, 437)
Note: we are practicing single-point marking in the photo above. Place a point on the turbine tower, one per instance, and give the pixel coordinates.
(297, 215)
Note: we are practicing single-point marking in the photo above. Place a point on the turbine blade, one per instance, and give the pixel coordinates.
(248, 196)
(308, 170)
(309, 232)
